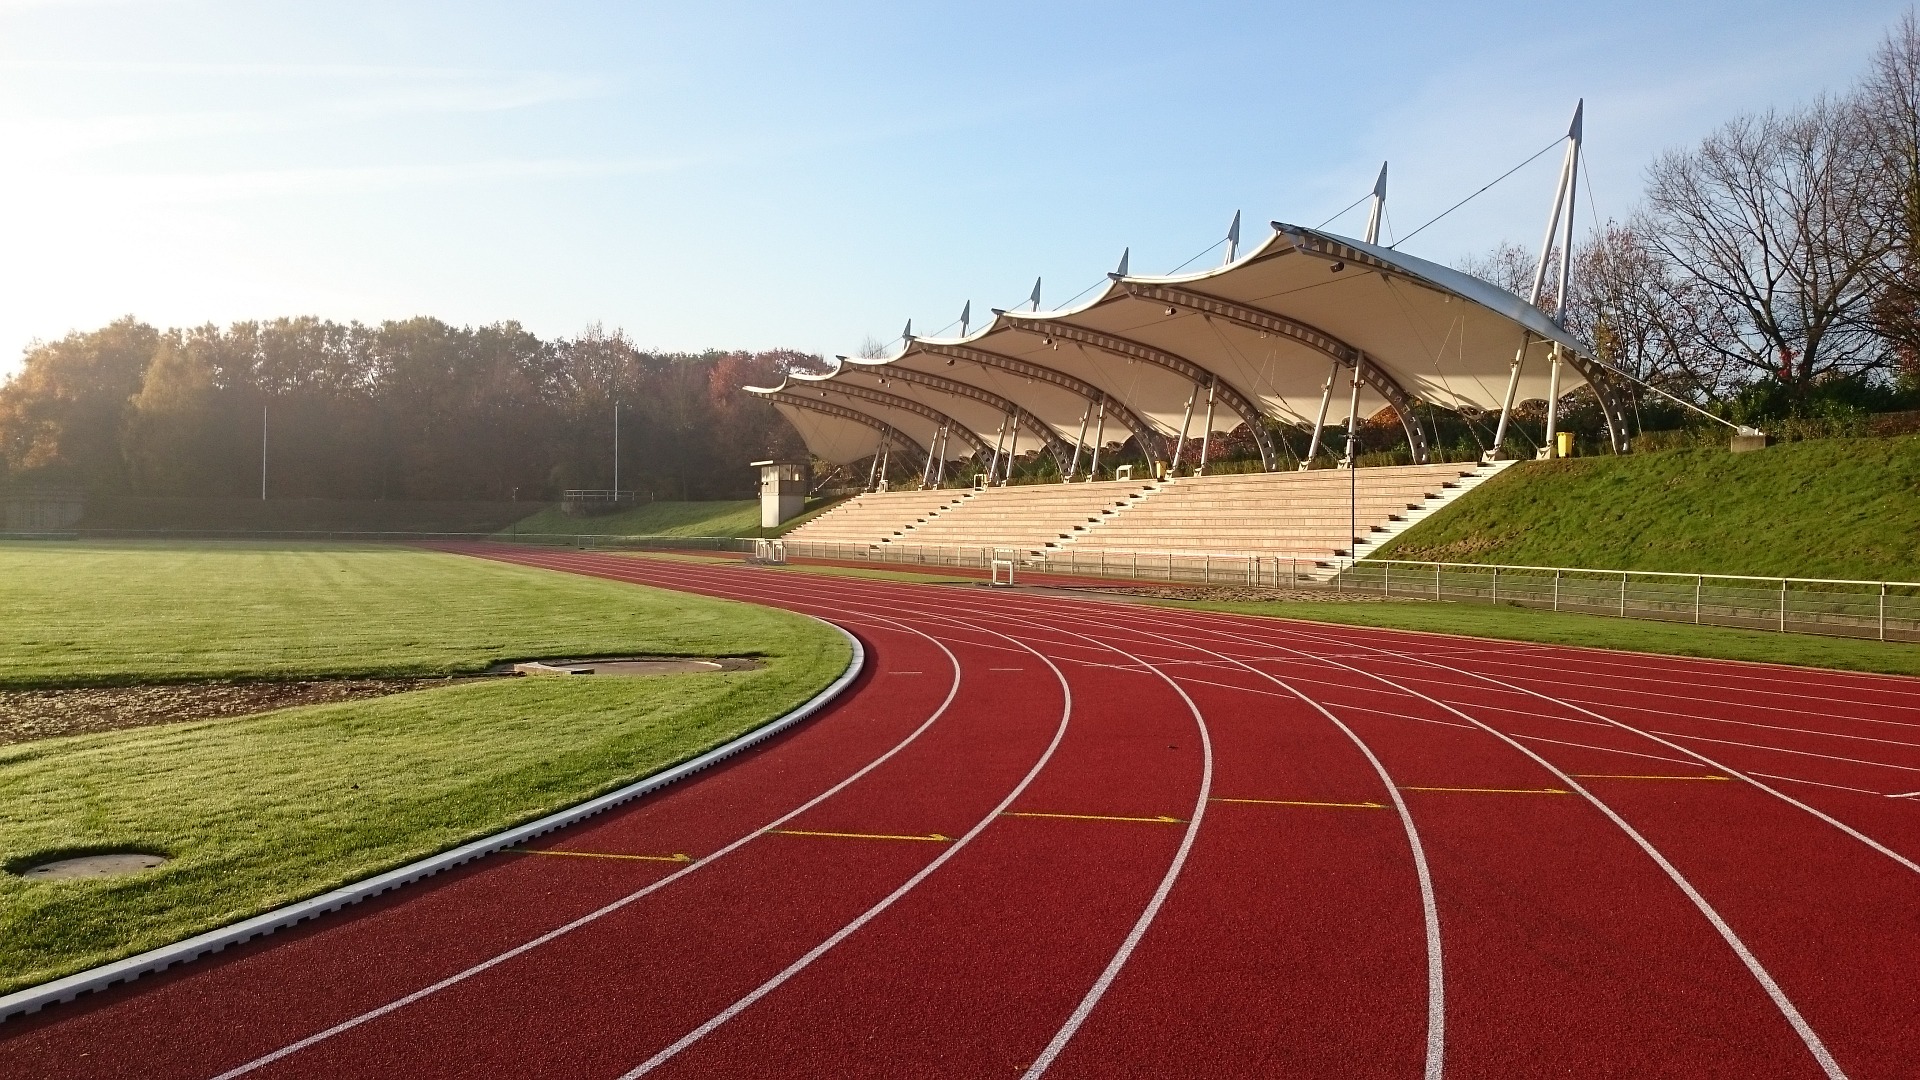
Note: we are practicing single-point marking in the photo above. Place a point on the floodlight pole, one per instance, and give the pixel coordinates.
(616, 453)
(263, 451)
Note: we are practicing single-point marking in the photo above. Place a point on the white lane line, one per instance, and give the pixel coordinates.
(1780, 1000)
(867, 916)
(1604, 749)
(1651, 737)
(610, 908)
(1429, 906)
(1836, 787)
(1125, 952)
(1784, 750)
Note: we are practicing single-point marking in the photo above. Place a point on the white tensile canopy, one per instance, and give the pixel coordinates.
(1258, 337)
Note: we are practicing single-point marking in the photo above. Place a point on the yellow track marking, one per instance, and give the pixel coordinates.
(602, 855)
(1492, 790)
(1632, 776)
(1161, 819)
(1302, 802)
(861, 835)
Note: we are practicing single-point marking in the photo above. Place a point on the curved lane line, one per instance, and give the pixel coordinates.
(1787, 1009)
(607, 909)
(905, 887)
(1429, 906)
(1298, 635)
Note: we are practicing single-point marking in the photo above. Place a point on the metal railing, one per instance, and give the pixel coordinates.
(1883, 610)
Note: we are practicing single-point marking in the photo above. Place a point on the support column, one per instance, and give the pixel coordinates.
(1206, 434)
(1320, 418)
(1353, 413)
(1506, 403)
(1099, 438)
(1013, 451)
(993, 465)
(1080, 443)
(1180, 446)
(1553, 403)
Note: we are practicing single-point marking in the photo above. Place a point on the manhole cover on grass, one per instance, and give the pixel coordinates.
(91, 866)
(634, 665)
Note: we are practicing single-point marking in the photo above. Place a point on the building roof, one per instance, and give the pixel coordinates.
(1260, 335)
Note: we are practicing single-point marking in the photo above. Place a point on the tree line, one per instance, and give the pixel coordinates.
(1772, 270)
(412, 409)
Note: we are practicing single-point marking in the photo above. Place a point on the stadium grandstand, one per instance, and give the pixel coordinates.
(1153, 369)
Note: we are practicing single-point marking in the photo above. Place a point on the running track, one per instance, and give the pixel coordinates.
(1099, 840)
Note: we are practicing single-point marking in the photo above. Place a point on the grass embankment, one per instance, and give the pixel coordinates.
(729, 517)
(261, 811)
(1831, 508)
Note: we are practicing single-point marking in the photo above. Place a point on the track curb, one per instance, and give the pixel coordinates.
(67, 988)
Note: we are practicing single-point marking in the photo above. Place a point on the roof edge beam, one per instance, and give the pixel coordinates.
(907, 405)
(1179, 365)
(956, 388)
(1313, 337)
(1144, 432)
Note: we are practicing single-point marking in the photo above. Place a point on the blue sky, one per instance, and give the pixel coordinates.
(755, 176)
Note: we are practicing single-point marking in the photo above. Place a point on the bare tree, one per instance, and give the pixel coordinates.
(1891, 96)
(1772, 221)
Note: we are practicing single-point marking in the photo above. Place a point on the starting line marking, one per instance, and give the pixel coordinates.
(1492, 790)
(1302, 802)
(1632, 776)
(602, 855)
(935, 837)
(1161, 819)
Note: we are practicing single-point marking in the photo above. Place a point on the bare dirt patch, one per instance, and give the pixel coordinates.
(27, 715)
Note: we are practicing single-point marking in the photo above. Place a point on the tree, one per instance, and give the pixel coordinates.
(1770, 227)
(1891, 94)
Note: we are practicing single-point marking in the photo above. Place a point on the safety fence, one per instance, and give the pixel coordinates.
(1885, 610)
(1192, 568)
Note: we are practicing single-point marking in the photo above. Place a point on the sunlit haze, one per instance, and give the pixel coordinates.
(806, 176)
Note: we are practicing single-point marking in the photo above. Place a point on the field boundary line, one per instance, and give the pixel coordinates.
(69, 987)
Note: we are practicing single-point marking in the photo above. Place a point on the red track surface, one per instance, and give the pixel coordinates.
(1149, 843)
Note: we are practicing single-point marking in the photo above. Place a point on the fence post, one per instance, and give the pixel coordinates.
(1556, 590)
(1169, 566)
(1623, 594)
(1436, 581)
(1253, 569)
(1699, 584)
(1783, 605)
(1206, 569)
(1883, 611)
(1386, 580)
(1496, 585)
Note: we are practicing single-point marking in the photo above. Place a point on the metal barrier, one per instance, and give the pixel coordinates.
(1883, 610)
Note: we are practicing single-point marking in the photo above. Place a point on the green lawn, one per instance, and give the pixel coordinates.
(1592, 631)
(1834, 508)
(734, 517)
(260, 811)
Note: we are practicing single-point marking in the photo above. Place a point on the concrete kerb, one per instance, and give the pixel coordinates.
(35, 998)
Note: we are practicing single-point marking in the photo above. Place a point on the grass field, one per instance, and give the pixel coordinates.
(1833, 508)
(734, 517)
(260, 811)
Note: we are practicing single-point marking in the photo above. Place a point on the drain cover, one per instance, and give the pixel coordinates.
(89, 866)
